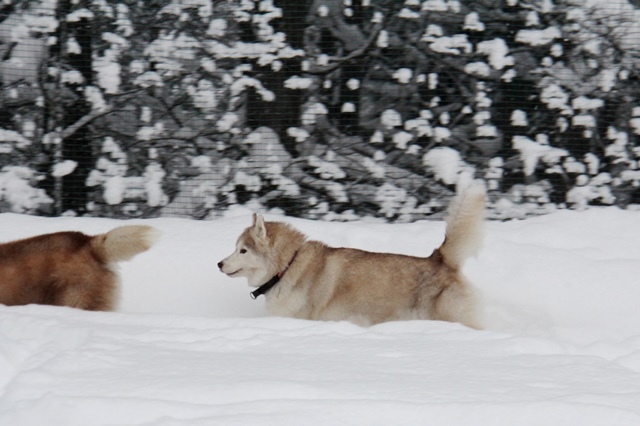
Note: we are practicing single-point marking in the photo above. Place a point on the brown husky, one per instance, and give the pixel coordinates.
(310, 280)
(69, 268)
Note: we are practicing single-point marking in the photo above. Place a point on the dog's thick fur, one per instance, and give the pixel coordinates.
(69, 268)
(319, 282)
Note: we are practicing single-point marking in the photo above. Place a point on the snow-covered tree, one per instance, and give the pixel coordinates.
(321, 108)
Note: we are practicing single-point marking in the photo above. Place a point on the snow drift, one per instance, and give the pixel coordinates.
(189, 347)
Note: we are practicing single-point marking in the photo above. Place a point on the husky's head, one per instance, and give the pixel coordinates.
(251, 258)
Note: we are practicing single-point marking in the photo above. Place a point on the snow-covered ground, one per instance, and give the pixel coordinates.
(189, 347)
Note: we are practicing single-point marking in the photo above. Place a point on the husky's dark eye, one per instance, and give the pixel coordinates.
(243, 251)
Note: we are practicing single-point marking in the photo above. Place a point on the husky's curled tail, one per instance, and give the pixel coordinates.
(123, 243)
(465, 229)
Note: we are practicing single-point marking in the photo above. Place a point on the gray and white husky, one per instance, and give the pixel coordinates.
(310, 280)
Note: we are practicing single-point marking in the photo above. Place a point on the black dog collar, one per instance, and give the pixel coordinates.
(264, 288)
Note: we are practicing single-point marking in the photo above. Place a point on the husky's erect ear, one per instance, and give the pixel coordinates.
(258, 226)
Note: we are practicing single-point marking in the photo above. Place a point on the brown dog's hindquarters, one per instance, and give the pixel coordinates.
(69, 268)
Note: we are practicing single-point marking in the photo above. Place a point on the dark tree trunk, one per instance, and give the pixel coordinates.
(284, 112)
(77, 147)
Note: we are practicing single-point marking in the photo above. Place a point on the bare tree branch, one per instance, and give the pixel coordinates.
(93, 115)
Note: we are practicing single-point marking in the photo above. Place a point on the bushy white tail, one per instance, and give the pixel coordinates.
(124, 242)
(465, 228)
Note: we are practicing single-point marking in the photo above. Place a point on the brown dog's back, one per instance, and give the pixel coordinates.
(68, 268)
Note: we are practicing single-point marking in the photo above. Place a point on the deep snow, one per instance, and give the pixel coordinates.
(189, 347)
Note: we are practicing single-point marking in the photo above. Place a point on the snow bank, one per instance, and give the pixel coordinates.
(189, 347)
(75, 368)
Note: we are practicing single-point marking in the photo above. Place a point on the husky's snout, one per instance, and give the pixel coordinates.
(221, 266)
(224, 267)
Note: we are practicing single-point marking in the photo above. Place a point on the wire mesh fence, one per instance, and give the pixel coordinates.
(324, 109)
